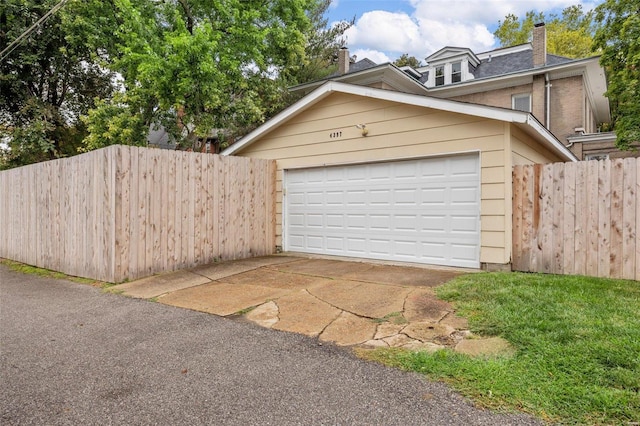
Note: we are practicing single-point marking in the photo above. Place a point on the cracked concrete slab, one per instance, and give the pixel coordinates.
(300, 312)
(324, 267)
(221, 298)
(452, 320)
(265, 315)
(426, 331)
(422, 305)
(349, 329)
(216, 271)
(157, 285)
(401, 275)
(364, 299)
(388, 330)
(275, 279)
(398, 340)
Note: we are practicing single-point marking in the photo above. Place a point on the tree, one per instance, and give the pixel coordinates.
(46, 84)
(323, 43)
(570, 34)
(406, 60)
(619, 39)
(196, 66)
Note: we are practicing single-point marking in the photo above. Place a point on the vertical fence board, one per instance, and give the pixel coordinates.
(617, 197)
(604, 217)
(568, 246)
(557, 212)
(528, 196)
(637, 218)
(169, 208)
(517, 208)
(592, 219)
(546, 221)
(582, 214)
(629, 232)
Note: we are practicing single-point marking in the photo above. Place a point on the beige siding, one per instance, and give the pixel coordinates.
(326, 134)
(524, 151)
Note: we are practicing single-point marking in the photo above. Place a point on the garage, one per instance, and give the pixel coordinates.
(420, 210)
(379, 174)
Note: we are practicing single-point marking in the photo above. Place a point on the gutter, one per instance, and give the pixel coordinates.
(547, 100)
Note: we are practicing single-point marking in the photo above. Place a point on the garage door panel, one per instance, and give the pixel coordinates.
(418, 210)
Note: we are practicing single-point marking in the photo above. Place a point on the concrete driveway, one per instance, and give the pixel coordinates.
(344, 302)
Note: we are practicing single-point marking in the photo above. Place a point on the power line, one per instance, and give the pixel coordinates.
(15, 43)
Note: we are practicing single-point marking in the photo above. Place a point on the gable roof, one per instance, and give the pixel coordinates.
(448, 52)
(523, 120)
(384, 73)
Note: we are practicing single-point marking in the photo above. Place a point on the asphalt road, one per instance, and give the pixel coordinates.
(71, 354)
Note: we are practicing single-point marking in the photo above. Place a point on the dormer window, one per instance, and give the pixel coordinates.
(456, 72)
(440, 76)
(449, 65)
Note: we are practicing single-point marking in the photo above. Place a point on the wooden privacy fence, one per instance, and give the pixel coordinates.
(578, 218)
(126, 212)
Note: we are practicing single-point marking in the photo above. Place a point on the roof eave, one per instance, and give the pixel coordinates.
(501, 114)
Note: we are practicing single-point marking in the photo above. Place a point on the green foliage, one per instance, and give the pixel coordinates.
(406, 60)
(619, 39)
(46, 83)
(323, 43)
(577, 342)
(108, 71)
(570, 34)
(196, 66)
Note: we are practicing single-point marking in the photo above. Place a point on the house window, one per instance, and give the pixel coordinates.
(521, 102)
(456, 72)
(588, 157)
(440, 76)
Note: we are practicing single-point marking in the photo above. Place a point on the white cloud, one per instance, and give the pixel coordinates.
(375, 55)
(434, 24)
(386, 31)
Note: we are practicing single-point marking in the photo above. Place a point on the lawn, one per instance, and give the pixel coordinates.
(577, 342)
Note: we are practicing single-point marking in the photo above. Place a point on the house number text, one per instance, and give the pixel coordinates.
(336, 134)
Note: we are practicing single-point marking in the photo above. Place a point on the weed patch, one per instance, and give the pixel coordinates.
(41, 272)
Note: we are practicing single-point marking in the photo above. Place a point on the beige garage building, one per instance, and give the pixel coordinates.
(372, 173)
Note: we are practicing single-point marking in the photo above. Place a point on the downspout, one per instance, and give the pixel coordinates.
(547, 86)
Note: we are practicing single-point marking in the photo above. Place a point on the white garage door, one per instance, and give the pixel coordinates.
(424, 211)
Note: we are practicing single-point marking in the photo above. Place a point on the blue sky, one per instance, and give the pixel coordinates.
(386, 29)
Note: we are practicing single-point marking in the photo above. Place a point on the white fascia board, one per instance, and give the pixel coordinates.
(500, 114)
(550, 140)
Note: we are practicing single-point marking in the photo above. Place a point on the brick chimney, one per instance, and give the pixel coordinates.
(343, 60)
(539, 45)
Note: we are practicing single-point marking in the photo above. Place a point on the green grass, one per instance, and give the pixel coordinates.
(34, 270)
(577, 342)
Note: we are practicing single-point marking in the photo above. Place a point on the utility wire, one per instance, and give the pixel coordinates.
(7, 51)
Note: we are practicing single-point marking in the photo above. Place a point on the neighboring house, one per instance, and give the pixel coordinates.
(565, 95)
(380, 174)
